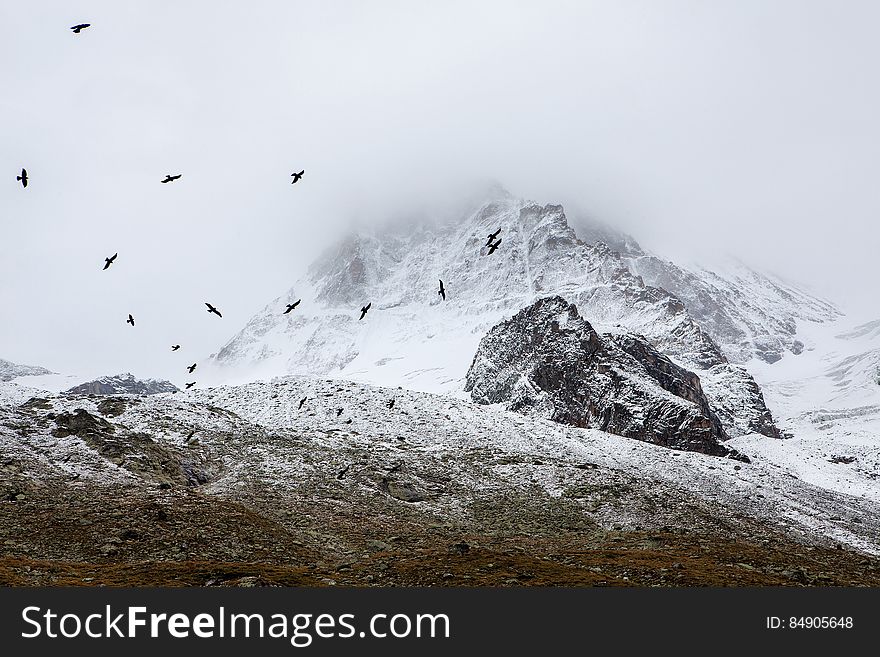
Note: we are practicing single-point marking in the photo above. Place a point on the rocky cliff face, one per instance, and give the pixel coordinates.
(548, 361)
(749, 315)
(123, 384)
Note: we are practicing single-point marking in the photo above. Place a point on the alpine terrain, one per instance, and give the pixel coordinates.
(505, 396)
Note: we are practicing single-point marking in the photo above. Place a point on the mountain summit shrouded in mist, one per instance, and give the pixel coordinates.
(459, 385)
(412, 338)
(651, 117)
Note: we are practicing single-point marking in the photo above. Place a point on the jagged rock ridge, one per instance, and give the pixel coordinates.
(548, 361)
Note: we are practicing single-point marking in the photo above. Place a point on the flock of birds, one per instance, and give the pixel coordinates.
(491, 244)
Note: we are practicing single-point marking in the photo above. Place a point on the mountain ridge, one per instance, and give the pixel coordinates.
(413, 338)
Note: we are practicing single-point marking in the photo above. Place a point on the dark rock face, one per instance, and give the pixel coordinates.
(137, 452)
(122, 384)
(548, 361)
(81, 423)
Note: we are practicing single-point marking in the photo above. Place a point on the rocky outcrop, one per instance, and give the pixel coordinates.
(81, 423)
(738, 401)
(548, 361)
(10, 370)
(139, 453)
(123, 384)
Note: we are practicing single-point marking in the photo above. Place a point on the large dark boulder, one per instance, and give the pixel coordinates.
(548, 361)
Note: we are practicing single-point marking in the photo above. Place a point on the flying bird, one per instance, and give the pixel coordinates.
(297, 176)
(109, 261)
(338, 412)
(492, 237)
(79, 28)
(192, 368)
(364, 310)
(442, 291)
(190, 435)
(23, 178)
(391, 403)
(291, 306)
(130, 320)
(212, 309)
(492, 247)
(169, 178)
(301, 402)
(190, 385)
(175, 347)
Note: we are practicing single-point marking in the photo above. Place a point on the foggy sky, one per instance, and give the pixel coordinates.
(750, 126)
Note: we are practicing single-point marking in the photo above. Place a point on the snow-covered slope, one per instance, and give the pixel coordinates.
(13, 394)
(747, 313)
(411, 337)
(827, 400)
(426, 426)
(397, 270)
(10, 370)
(547, 361)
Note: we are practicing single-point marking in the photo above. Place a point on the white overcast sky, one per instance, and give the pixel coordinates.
(695, 124)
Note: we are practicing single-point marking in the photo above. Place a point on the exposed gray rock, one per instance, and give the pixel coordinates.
(738, 402)
(123, 384)
(548, 361)
(10, 370)
(747, 313)
(81, 423)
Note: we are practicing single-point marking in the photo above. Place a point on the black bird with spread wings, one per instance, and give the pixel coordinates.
(175, 347)
(364, 310)
(212, 309)
(297, 176)
(109, 261)
(192, 368)
(190, 385)
(493, 247)
(291, 306)
(301, 402)
(23, 178)
(130, 320)
(169, 178)
(79, 28)
(442, 291)
(492, 237)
